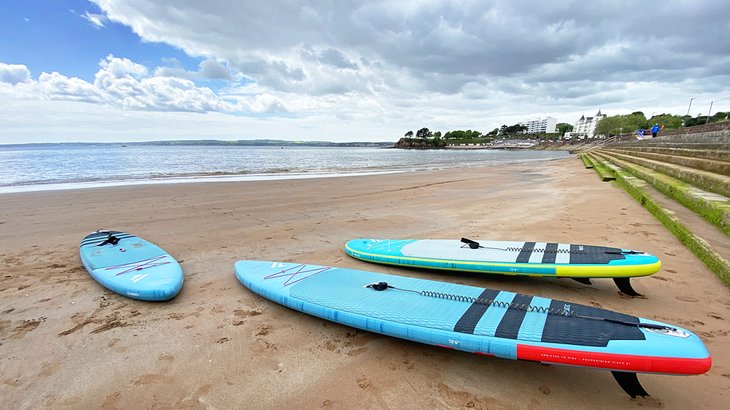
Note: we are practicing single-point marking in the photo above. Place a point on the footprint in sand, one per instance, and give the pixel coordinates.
(166, 357)
(151, 378)
(111, 401)
(364, 383)
(649, 401)
(690, 299)
(113, 345)
(25, 326)
(49, 368)
(456, 398)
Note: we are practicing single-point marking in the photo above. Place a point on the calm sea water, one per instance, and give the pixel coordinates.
(48, 167)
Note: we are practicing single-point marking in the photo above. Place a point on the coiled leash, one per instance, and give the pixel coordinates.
(381, 286)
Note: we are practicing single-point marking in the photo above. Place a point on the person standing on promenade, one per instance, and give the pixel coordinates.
(655, 130)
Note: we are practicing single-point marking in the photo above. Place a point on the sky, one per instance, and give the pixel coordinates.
(341, 70)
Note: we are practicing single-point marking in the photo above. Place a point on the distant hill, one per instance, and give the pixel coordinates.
(245, 143)
(268, 142)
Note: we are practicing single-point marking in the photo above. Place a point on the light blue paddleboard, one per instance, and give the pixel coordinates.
(482, 321)
(131, 266)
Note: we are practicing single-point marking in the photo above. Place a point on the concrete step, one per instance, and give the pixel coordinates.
(709, 165)
(710, 137)
(707, 242)
(714, 208)
(586, 161)
(714, 153)
(719, 184)
(648, 143)
(599, 165)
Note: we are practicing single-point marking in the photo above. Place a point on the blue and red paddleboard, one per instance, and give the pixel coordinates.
(131, 266)
(482, 321)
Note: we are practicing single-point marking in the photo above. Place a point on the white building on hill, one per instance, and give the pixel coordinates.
(585, 127)
(540, 125)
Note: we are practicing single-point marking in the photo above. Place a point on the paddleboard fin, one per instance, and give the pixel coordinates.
(624, 285)
(585, 281)
(630, 383)
(472, 244)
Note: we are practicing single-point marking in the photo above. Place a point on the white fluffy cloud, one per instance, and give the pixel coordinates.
(14, 73)
(119, 83)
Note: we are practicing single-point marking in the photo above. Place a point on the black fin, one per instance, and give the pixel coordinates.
(585, 281)
(630, 383)
(625, 286)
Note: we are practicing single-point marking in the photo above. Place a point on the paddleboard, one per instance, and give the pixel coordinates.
(561, 260)
(131, 266)
(482, 321)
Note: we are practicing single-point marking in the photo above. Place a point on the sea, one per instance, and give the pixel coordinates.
(42, 167)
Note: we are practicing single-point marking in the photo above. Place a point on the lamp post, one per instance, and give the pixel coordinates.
(708, 113)
(690, 105)
(710, 110)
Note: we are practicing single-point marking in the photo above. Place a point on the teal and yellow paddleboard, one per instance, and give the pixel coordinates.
(561, 260)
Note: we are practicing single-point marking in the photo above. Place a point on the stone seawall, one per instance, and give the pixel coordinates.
(683, 178)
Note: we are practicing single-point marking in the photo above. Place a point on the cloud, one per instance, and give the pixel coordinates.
(329, 57)
(14, 73)
(119, 83)
(438, 46)
(97, 20)
(208, 70)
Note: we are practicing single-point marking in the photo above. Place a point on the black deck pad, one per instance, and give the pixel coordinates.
(468, 321)
(586, 254)
(551, 252)
(525, 252)
(509, 326)
(588, 332)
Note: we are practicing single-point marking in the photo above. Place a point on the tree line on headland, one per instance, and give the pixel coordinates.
(424, 138)
(607, 126)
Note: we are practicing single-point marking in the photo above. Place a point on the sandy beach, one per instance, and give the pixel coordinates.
(66, 342)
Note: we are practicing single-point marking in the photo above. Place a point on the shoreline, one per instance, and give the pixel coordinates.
(67, 342)
(223, 177)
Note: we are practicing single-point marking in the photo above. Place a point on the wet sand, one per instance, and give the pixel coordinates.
(66, 342)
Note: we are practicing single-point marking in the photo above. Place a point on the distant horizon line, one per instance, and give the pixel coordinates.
(212, 142)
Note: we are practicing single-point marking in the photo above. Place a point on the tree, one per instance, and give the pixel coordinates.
(493, 132)
(610, 125)
(409, 134)
(563, 127)
(423, 133)
(513, 129)
(437, 134)
(618, 124)
(667, 120)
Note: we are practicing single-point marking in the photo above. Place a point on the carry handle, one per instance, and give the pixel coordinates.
(472, 244)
